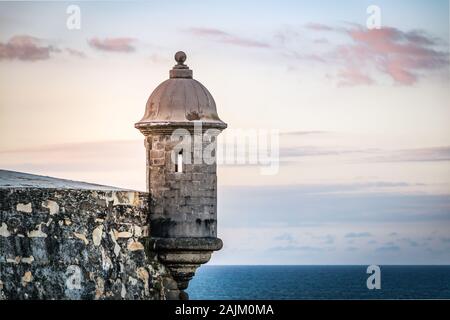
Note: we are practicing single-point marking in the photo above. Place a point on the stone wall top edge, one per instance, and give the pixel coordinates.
(49, 189)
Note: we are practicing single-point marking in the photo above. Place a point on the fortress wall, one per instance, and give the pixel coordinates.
(78, 244)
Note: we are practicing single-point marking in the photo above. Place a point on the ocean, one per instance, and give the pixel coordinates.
(318, 282)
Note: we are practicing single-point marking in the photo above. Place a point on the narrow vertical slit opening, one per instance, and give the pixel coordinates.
(179, 164)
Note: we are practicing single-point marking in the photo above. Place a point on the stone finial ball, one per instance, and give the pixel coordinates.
(180, 57)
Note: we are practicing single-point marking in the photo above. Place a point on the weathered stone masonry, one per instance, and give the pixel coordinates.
(78, 244)
(182, 204)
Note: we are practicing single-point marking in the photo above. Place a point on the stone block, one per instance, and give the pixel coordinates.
(58, 247)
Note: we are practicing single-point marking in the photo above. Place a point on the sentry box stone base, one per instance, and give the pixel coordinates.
(182, 256)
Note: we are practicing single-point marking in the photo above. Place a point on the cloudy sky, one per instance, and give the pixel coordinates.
(363, 115)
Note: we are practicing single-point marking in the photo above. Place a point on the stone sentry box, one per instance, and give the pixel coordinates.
(182, 190)
(62, 239)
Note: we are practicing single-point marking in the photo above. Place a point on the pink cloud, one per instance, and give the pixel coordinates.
(113, 44)
(390, 41)
(318, 27)
(419, 37)
(403, 56)
(224, 37)
(398, 70)
(25, 48)
(207, 32)
(353, 76)
(400, 55)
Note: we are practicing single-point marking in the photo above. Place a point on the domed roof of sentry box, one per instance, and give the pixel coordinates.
(180, 101)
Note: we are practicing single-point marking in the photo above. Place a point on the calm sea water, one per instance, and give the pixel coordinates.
(318, 282)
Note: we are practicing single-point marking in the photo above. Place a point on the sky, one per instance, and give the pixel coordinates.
(363, 115)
